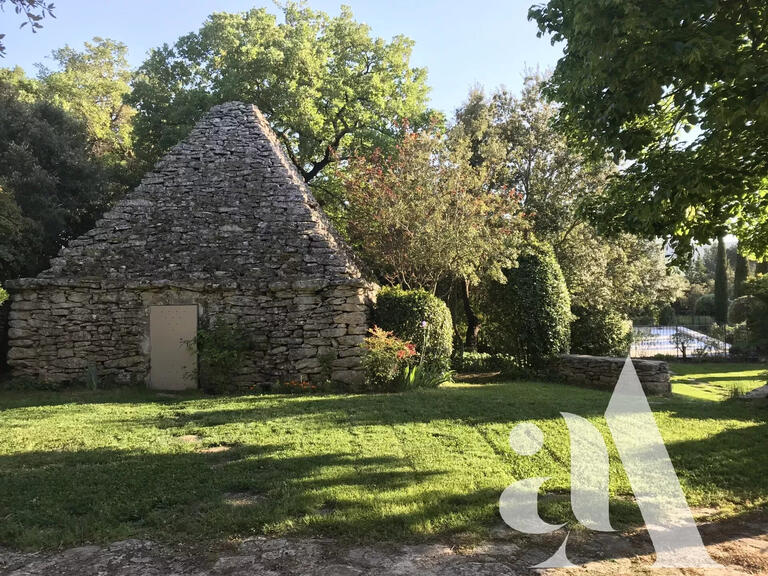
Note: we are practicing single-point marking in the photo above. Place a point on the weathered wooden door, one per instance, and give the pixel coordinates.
(173, 360)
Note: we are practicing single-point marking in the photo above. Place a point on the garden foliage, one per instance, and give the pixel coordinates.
(385, 360)
(705, 305)
(530, 316)
(221, 350)
(479, 362)
(600, 332)
(419, 317)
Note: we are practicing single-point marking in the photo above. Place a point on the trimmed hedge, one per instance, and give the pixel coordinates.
(403, 312)
(705, 305)
(529, 317)
(600, 332)
(667, 316)
(747, 309)
(485, 362)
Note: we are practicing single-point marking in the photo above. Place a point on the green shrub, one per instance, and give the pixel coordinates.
(3, 295)
(647, 320)
(705, 305)
(419, 317)
(385, 360)
(757, 286)
(529, 317)
(479, 362)
(747, 342)
(751, 312)
(667, 316)
(600, 332)
(746, 309)
(221, 351)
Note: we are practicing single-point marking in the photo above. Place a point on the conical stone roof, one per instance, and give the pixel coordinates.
(224, 205)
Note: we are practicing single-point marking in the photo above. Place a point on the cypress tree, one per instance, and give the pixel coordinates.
(721, 283)
(740, 275)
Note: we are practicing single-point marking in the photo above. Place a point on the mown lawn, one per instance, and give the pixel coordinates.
(716, 381)
(81, 466)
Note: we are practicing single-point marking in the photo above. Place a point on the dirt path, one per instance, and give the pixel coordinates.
(741, 546)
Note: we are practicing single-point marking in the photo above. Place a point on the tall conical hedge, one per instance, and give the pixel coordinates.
(529, 317)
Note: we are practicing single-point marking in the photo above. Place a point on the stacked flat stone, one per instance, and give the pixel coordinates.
(5, 308)
(603, 372)
(224, 222)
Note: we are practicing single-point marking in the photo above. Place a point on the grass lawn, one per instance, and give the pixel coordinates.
(81, 466)
(711, 381)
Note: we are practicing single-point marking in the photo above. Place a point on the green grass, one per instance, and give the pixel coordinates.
(716, 380)
(80, 466)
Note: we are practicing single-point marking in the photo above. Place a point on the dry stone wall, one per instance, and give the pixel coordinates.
(300, 331)
(603, 372)
(5, 309)
(224, 222)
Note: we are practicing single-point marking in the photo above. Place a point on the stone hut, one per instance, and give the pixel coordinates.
(224, 230)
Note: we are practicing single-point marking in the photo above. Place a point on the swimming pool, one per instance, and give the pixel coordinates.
(672, 340)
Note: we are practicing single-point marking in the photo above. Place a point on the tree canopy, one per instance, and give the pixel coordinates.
(516, 138)
(327, 86)
(677, 92)
(423, 214)
(50, 190)
(92, 85)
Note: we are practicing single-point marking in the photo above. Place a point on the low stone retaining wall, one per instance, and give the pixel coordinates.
(603, 372)
(5, 308)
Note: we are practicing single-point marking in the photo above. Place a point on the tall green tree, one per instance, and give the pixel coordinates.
(516, 138)
(740, 275)
(51, 188)
(423, 215)
(92, 85)
(634, 78)
(26, 89)
(721, 283)
(327, 86)
(513, 135)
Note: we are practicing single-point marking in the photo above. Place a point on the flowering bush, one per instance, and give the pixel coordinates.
(385, 359)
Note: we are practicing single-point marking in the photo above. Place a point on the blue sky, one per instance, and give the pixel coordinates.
(460, 43)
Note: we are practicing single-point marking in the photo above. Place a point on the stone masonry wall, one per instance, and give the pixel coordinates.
(603, 372)
(300, 330)
(5, 309)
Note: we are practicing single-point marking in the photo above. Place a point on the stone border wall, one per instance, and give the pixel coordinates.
(307, 329)
(5, 309)
(603, 372)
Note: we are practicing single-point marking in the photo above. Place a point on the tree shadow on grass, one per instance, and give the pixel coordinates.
(59, 499)
(493, 403)
(12, 399)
